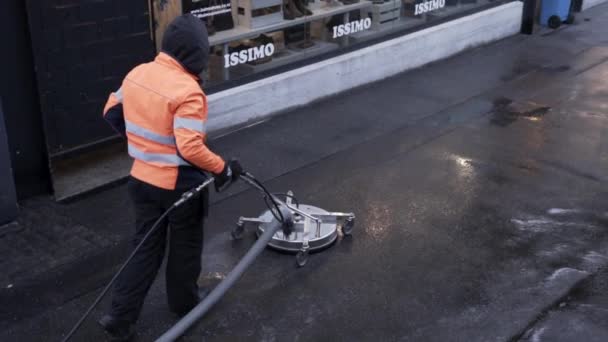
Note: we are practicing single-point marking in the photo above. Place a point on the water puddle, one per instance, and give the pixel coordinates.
(507, 111)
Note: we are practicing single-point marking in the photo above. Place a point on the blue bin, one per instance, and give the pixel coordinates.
(550, 8)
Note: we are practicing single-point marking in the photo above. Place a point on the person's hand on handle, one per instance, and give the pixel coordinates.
(232, 171)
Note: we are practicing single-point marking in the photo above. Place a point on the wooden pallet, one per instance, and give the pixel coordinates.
(385, 13)
(259, 13)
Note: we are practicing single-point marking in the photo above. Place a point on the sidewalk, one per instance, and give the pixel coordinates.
(452, 170)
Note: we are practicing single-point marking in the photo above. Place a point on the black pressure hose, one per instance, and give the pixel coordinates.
(185, 197)
(269, 198)
(220, 290)
(287, 195)
(232, 277)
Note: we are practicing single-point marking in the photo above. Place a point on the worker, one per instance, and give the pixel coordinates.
(162, 111)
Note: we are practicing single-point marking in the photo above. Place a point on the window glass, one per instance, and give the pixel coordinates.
(262, 37)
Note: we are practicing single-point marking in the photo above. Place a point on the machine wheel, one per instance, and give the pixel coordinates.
(554, 21)
(347, 228)
(302, 258)
(570, 19)
(238, 231)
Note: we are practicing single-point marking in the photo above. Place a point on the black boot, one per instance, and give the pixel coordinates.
(119, 330)
(294, 9)
(287, 14)
(202, 294)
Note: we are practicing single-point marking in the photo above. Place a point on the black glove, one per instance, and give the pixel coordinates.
(232, 171)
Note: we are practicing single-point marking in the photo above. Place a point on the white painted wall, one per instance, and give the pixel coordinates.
(253, 101)
(590, 3)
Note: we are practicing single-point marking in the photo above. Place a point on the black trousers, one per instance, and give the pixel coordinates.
(184, 225)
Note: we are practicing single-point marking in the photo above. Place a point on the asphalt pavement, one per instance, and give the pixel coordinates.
(479, 188)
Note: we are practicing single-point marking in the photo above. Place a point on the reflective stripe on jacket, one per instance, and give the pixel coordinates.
(163, 112)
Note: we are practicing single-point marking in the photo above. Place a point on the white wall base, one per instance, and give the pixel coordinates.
(253, 101)
(590, 3)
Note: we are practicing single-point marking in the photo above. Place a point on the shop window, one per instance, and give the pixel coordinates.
(255, 37)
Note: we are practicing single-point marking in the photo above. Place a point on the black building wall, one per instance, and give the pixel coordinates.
(22, 118)
(8, 199)
(83, 49)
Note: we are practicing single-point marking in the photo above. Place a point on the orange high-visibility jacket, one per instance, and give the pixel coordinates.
(163, 112)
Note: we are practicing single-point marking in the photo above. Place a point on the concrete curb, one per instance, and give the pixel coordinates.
(566, 281)
(559, 285)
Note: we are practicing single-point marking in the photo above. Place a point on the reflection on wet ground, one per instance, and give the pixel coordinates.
(507, 112)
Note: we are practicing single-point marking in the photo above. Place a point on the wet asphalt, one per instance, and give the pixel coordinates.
(479, 185)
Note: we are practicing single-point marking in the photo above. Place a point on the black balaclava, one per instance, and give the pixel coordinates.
(186, 40)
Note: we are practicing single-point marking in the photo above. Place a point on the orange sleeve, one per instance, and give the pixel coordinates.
(113, 112)
(189, 128)
(113, 100)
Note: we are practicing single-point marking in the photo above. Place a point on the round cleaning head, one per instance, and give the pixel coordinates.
(304, 229)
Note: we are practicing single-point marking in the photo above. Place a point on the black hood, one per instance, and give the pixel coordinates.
(186, 40)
